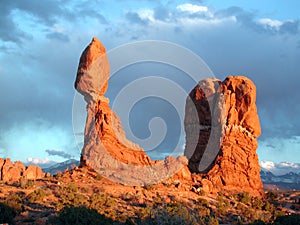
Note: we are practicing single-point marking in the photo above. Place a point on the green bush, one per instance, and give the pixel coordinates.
(222, 205)
(258, 222)
(79, 216)
(257, 203)
(14, 201)
(69, 196)
(271, 196)
(170, 214)
(269, 207)
(287, 220)
(244, 197)
(102, 201)
(203, 202)
(208, 220)
(7, 214)
(36, 195)
(25, 183)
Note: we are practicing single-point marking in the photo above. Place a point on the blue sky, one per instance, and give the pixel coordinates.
(41, 42)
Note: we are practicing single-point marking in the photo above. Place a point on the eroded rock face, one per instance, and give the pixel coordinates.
(105, 140)
(222, 127)
(106, 148)
(13, 171)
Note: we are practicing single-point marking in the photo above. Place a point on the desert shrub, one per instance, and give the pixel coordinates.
(36, 195)
(127, 197)
(7, 214)
(258, 222)
(104, 204)
(271, 196)
(244, 197)
(99, 201)
(222, 205)
(158, 201)
(98, 177)
(170, 214)
(14, 201)
(203, 202)
(149, 187)
(287, 220)
(144, 212)
(25, 183)
(257, 203)
(79, 216)
(269, 207)
(201, 192)
(69, 196)
(208, 220)
(203, 207)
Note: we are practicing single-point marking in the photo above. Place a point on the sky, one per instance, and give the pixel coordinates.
(41, 42)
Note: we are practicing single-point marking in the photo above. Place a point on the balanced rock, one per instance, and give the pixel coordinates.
(105, 140)
(106, 148)
(222, 127)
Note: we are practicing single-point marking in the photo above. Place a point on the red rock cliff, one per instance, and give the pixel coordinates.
(222, 127)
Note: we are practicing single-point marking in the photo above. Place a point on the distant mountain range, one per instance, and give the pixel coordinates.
(61, 167)
(288, 181)
(281, 168)
(283, 175)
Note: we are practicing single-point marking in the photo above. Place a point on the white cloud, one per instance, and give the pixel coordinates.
(146, 14)
(280, 168)
(192, 8)
(43, 163)
(270, 23)
(289, 164)
(268, 165)
(38, 161)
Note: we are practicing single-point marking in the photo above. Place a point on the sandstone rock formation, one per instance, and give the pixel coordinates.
(10, 171)
(92, 82)
(106, 148)
(222, 127)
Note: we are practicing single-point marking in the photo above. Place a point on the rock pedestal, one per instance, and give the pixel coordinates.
(105, 143)
(106, 148)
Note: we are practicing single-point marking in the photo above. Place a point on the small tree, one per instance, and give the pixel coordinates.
(79, 216)
(7, 214)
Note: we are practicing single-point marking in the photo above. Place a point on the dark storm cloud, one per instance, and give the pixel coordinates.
(271, 146)
(9, 31)
(38, 82)
(244, 45)
(134, 17)
(87, 13)
(47, 12)
(291, 27)
(62, 154)
(58, 36)
(161, 13)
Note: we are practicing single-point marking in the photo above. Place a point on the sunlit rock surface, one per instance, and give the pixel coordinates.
(222, 127)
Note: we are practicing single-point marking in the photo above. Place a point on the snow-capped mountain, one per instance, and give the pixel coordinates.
(61, 167)
(283, 175)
